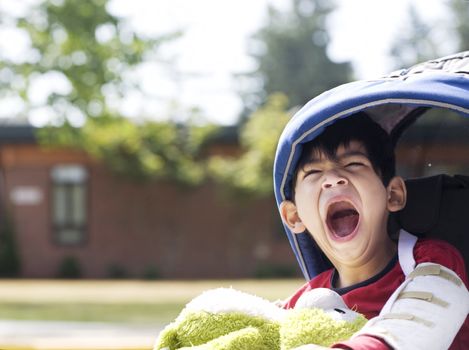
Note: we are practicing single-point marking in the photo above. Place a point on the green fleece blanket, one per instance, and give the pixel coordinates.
(227, 319)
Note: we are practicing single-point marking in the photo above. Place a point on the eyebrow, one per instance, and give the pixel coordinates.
(347, 154)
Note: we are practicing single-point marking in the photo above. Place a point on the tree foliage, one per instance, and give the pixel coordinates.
(95, 54)
(292, 67)
(146, 151)
(10, 264)
(251, 174)
(460, 15)
(420, 39)
(415, 43)
(291, 55)
(87, 49)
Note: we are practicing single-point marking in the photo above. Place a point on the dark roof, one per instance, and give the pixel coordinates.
(17, 133)
(226, 135)
(25, 133)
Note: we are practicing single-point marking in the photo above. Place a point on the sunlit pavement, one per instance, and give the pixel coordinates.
(42, 335)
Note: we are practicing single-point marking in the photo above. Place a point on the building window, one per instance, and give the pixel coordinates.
(69, 203)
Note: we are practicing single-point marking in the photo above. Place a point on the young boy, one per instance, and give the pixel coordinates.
(343, 190)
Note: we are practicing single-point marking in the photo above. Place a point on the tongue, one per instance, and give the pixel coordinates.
(344, 222)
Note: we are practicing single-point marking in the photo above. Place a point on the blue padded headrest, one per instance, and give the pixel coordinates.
(391, 101)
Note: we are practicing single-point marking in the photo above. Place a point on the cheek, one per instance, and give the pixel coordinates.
(307, 194)
(374, 198)
(307, 200)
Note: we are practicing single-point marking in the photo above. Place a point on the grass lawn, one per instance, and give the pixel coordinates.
(139, 313)
(146, 302)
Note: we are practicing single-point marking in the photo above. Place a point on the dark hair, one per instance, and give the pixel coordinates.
(358, 127)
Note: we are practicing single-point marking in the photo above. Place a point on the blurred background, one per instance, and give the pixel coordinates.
(137, 141)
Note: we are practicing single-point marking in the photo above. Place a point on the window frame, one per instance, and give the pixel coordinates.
(68, 185)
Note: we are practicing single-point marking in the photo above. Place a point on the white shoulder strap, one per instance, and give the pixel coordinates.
(405, 249)
(425, 312)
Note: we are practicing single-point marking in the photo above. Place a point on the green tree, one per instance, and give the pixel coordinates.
(10, 264)
(251, 174)
(146, 151)
(460, 19)
(415, 43)
(292, 67)
(420, 39)
(291, 55)
(84, 47)
(95, 55)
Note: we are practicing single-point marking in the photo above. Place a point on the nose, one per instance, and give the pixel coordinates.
(333, 179)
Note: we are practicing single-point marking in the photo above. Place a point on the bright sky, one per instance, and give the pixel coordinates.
(213, 47)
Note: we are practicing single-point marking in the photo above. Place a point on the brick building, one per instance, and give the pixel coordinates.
(65, 205)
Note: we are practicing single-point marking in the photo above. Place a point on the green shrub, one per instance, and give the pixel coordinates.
(151, 273)
(69, 268)
(9, 258)
(116, 271)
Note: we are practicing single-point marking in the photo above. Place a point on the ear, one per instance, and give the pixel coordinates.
(290, 217)
(397, 194)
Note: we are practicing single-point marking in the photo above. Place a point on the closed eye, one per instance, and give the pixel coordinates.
(353, 164)
(311, 172)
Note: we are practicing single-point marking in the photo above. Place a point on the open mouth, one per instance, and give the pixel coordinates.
(342, 218)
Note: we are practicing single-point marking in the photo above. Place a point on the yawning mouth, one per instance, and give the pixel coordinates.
(342, 218)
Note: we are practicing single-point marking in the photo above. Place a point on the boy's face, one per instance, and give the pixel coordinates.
(343, 203)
